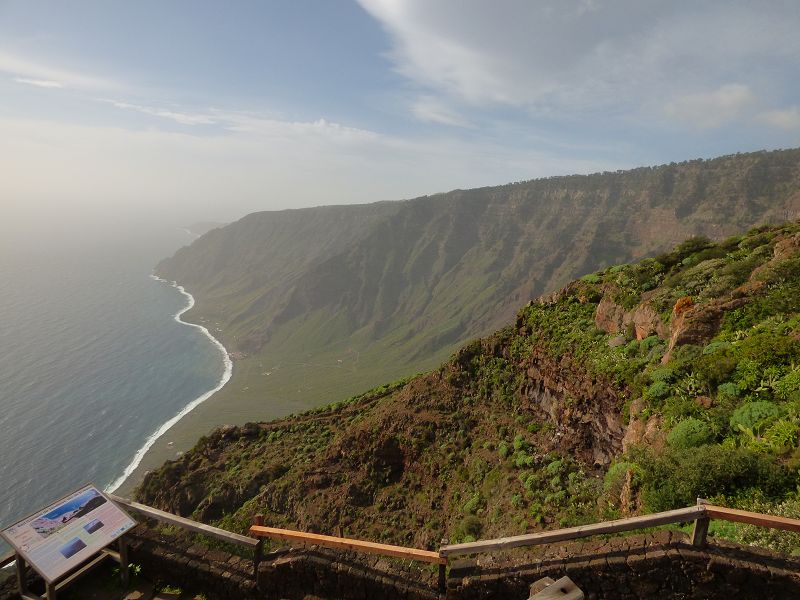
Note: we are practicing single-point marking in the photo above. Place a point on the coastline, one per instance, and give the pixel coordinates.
(226, 376)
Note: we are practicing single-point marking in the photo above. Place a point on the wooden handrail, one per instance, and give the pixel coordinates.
(751, 518)
(183, 523)
(340, 543)
(697, 513)
(680, 515)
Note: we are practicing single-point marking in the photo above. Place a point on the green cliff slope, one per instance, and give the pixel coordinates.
(636, 388)
(318, 304)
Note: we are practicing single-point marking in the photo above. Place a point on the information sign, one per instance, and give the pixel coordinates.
(60, 537)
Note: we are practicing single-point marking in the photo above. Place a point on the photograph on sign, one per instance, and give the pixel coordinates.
(68, 532)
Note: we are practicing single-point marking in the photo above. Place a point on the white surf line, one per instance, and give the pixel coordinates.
(226, 375)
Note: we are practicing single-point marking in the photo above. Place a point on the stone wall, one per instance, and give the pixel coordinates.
(283, 574)
(663, 565)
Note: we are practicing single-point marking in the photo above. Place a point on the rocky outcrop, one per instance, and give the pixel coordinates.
(585, 412)
(640, 322)
(610, 316)
(643, 431)
(697, 324)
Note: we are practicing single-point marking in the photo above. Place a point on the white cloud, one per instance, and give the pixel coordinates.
(30, 71)
(183, 118)
(38, 82)
(434, 110)
(707, 110)
(562, 57)
(787, 119)
(261, 126)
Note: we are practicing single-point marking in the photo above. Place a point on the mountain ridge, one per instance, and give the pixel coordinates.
(331, 300)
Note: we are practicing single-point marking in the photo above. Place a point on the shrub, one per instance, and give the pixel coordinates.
(690, 433)
(679, 476)
(788, 387)
(778, 541)
(782, 435)
(661, 374)
(520, 443)
(475, 503)
(714, 346)
(616, 472)
(591, 278)
(649, 343)
(503, 450)
(728, 390)
(522, 460)
(657, 391)
(469, 528)
(754, 415)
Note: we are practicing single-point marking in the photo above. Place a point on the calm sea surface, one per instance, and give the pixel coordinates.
(92, 361)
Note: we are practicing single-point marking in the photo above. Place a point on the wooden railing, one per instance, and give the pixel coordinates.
(188, 524)
(195, 527)
(339, 543)
(701, 515)
(681, 515)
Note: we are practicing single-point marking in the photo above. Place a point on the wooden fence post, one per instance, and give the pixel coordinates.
(22, 576)
(259, 549)
(124, 567)
(700, 529)
(443, 572)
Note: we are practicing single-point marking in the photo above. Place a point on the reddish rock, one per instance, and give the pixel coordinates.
(704, 401)
(609, 316)
(787, 248)
(647, 322)
(697, 324)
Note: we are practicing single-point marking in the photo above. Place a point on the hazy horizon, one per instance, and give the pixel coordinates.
(124, 114)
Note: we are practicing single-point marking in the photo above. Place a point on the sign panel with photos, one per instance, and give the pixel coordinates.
(60, 537)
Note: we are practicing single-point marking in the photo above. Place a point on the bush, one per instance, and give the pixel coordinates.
(523, 460)
(657, 391)
(782, 435)
(591, 278)
(661, 374)
(728, 390)
(690, 433)
(520, 443)
(714, 346)
(778, 541)
(754, 415)
(679, 476)
(469, 528)
(503, 450)
(615, 475)
(475, 503)
(788, 387)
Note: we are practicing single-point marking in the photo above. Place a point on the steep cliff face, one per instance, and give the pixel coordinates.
(378, 291)
(672, 378)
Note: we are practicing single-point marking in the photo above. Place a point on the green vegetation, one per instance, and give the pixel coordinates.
(696, 352)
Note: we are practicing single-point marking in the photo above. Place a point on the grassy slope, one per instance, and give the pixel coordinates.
(525, 428)
(330, 301)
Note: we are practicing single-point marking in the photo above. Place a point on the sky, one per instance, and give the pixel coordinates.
(190, 110)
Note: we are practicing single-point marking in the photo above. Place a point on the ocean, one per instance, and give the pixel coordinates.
(94, 362)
